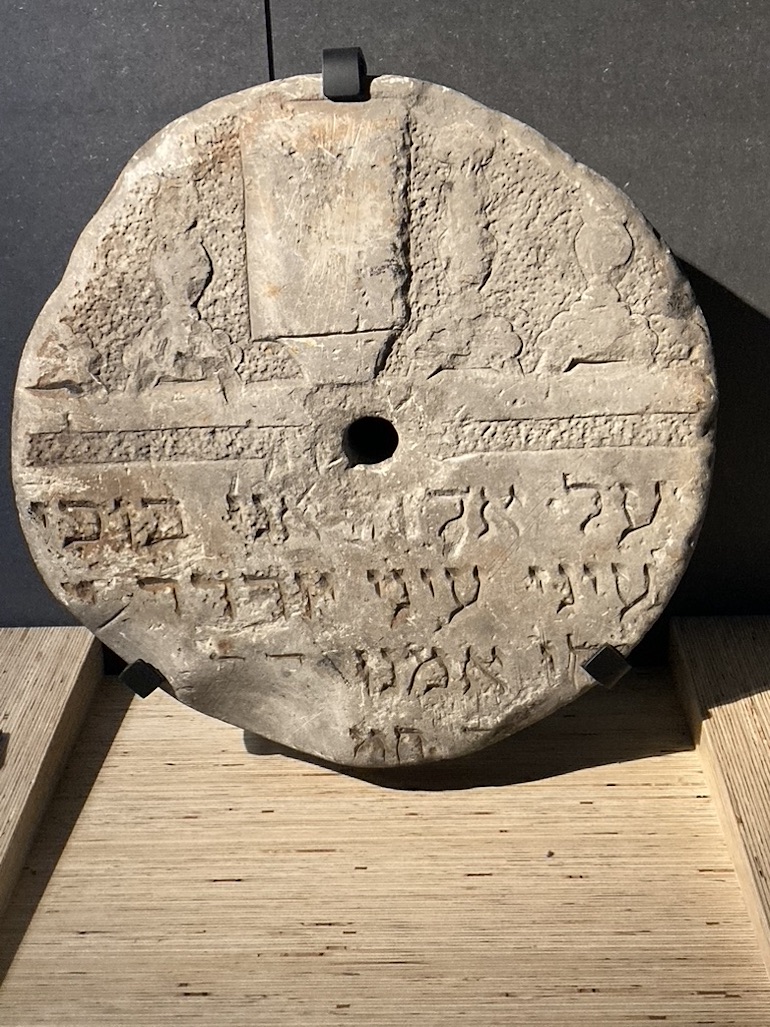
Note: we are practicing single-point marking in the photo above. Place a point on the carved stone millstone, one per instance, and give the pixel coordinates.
(368, 424)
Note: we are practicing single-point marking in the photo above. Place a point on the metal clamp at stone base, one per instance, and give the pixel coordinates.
(141, 678)
(607, 666)
(343, 74)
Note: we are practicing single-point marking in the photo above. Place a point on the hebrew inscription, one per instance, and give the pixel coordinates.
(114, 522)
(367, 424)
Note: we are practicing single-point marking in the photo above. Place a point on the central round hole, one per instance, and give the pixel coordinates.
(369, 440)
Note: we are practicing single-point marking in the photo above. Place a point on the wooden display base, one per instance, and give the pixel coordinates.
(722, 668)
(576, 874)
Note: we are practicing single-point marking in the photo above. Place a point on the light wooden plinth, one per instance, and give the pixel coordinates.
(575, 876)
(47, 679)
(722, 667)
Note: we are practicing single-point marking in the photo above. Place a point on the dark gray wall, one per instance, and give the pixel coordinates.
(669, 100)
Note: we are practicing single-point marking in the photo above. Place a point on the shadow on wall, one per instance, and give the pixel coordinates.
(729, 573)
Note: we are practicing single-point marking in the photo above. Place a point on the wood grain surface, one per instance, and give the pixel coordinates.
(47, 679)
(574, 875)
(722, 668)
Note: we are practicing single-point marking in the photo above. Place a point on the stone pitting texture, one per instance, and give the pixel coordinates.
(272, 267)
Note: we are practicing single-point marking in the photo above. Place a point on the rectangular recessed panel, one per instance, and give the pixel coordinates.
(326, 219)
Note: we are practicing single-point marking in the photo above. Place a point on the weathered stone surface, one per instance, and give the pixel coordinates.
(273, 268)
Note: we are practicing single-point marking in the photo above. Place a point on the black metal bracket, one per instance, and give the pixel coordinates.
(141, 678)
(607, 666)
(343, 74)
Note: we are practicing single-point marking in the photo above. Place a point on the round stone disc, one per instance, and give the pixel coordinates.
(368, 425)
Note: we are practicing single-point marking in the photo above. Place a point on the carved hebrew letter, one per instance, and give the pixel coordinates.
(633, 585)
(209, 597)
(430, 673)
(390, 586)
(591, 494)
(640, 506)
(79, 521)
(379, 671)
(164, 590)
(257, 599)
(156, 520)
(315, 590)
(465, 584)
(409, 745)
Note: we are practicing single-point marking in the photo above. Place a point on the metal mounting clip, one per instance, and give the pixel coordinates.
(343, 74)
(607, 666)
(141, 678)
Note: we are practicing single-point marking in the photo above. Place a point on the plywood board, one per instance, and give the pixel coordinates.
(576, 874)
(47, 678)
(722, 667)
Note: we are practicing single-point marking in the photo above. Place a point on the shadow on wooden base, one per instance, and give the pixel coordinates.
(722, 670)
(102, 722)
(558, 745)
